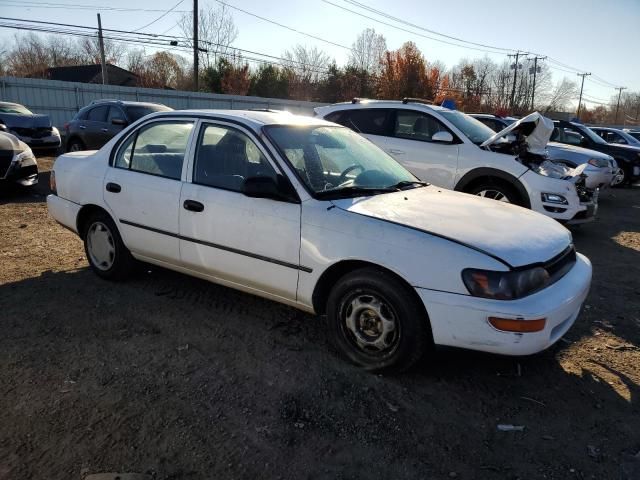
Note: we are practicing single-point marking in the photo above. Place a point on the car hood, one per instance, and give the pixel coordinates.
(25, 121)
(10, 142)
(514, 235)
(536, 128)
(563, 147)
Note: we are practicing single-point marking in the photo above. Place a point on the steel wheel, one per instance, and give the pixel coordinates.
(370, 324)
(494, 195)
(76, 146)
(101, 246)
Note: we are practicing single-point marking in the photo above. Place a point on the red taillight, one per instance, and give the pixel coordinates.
(66, 126)
(52, 182)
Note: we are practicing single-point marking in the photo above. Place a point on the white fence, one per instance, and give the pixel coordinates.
(61, 100)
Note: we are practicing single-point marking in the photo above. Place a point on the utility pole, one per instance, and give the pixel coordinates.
(195, 44)
(619, 95)
(581, 89)
(536, 70)
(515, 66)
(105, 79)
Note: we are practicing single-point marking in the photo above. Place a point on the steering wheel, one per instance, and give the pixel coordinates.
(343, 175)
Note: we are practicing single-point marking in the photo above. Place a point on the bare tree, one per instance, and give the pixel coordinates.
(561, 95)
(367, 52)
(89, 50)
(216, 33)
(306, 68)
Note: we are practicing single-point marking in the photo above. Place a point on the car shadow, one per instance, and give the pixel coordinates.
(147, 360)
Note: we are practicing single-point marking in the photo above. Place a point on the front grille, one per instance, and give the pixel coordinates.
(559, 265)
(38, 132)
(5, 161)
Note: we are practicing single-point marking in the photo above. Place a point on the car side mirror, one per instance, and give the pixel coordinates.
(262, 187)
(118, 121)
(442, 137)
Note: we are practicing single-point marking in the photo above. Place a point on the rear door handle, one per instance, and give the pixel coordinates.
(105, 130)
(396, 152)
(193, 206)
(113, 187)
(82, 127)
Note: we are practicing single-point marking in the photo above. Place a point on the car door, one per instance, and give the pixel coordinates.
(245, 241)
(142, 187)
(411, 144)
(94, 130)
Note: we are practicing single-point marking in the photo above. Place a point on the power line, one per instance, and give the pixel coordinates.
(405, 30)
(160, 17)
(76, 6)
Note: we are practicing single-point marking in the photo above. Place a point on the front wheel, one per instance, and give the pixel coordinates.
(75, 145)
(496, 191)
(377, 322)
(107, 255)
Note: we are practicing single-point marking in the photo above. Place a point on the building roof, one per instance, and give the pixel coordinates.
(93, 74)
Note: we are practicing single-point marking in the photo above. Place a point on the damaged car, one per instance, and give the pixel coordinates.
(450, 149)
(33, 129)
(18, 165)
(393, 265)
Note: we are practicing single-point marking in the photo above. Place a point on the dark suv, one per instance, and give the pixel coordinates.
(99, 122)
(626, 156)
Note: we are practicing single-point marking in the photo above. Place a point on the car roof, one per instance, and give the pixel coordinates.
(252, 118)
(109, 101)
(378, 103)
(12, 104)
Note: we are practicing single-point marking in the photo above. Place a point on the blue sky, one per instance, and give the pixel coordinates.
(601, 37)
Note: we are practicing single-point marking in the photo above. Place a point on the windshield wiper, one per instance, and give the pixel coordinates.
(355, 190)
(409, 183)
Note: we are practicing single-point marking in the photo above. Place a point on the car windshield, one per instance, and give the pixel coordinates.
(335, 161)
(137, 112)
(14, 108)
(587, 132)
(475, 130)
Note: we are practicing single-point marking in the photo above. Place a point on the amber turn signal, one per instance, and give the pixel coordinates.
(519, 326)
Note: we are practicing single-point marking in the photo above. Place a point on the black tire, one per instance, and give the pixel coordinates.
(122, 263)
(503, 188)
(407, 343)
(626, 175)
(75, 143)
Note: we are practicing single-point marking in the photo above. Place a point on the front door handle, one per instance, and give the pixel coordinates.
(193, 206)
(113, 187)
(105, 130)
(82, 127)
(396, 152)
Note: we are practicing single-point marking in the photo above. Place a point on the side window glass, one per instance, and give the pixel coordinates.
(369, 120)
(572, 137)
(617, 138)
(226, 157)
(416, 125)
(98, 114)
(157, 149)
(115, 113)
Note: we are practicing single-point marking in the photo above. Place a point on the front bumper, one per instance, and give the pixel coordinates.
(24, 175)
(462, 320)
(48, 142)
(576, 210)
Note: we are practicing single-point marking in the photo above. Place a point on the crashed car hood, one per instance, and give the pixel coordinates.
(572, 148)
(25, 121)
(513, 234)
(537, 128)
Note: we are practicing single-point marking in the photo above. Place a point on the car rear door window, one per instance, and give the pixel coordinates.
(372, 121)
(98, 114)
(115, 113)
(414, 125)
(156, 149)
(226, 157)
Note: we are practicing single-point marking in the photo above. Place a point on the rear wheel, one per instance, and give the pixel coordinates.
(75, 145)
(107, 255)
(377, 322)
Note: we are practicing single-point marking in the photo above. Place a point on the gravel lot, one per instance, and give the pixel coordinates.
(177, 378)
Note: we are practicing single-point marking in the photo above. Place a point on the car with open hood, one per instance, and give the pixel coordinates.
(443, 147)
(33, 129)
(18, 165)
(601, 170)
(310, 214)
(626, 156)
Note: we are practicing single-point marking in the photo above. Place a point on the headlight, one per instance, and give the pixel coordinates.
(598, 162)
(25, 158)
(553, 198)
(504, 285)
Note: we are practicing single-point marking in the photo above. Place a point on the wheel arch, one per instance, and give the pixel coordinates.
(332, 274)
(85, 213)
(482, 174)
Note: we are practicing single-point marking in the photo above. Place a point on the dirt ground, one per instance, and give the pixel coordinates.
(177, 378)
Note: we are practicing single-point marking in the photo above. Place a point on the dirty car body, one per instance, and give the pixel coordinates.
(310, 214)
(33, 129)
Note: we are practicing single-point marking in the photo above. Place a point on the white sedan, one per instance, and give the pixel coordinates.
(310, 214)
